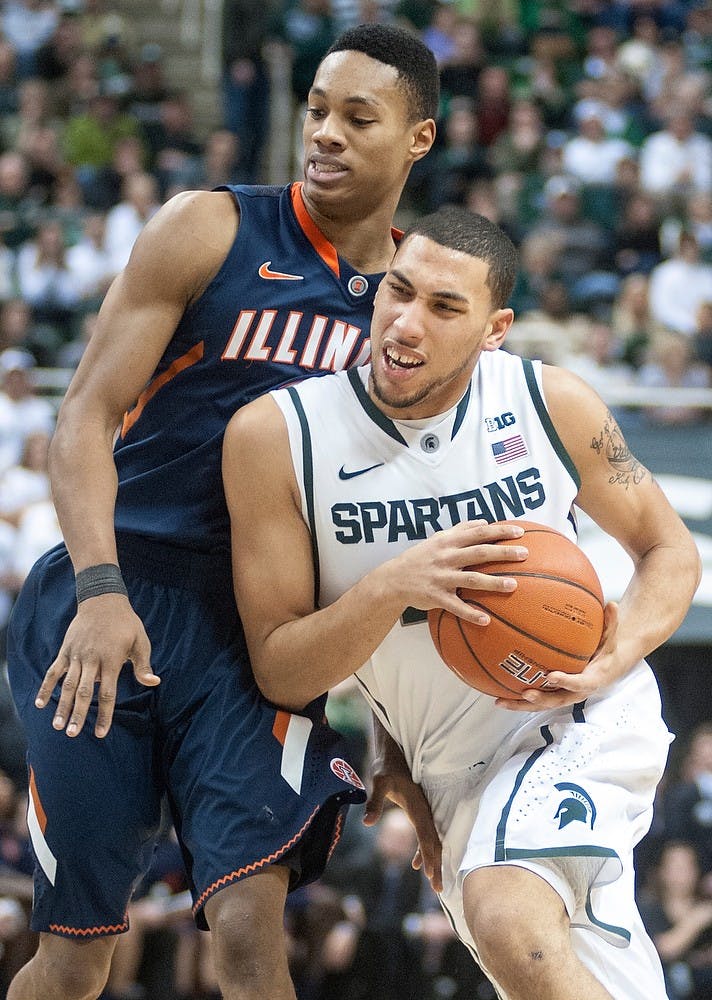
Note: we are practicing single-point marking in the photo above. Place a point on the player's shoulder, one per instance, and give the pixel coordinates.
(201, 213)
(254, 423)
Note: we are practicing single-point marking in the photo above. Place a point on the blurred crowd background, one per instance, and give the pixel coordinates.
(585, 130)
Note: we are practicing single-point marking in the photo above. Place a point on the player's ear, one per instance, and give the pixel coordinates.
(422, 138)
(499, 324)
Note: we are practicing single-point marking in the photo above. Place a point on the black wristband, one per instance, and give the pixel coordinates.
(105, 578)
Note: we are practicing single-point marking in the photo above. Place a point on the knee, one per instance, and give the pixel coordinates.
(515, 942)
(71, 970)
(247, 925)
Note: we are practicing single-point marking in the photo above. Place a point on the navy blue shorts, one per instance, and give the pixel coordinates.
(248, 784)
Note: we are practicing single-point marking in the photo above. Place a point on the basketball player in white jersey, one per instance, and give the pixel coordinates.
(360, 499)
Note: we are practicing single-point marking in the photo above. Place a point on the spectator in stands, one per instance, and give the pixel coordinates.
(54, 59)
(672, 365)
(22, 411)
(677, 912)
(677, 159)
(584, 248)
(125, 221)
(591, 155)
(27, 25)
(48, 285)
(148, 86)
(460, 69)
(386, 962)
(520, 146)
(90, 262)
(91, 136)
(172, 145)
(27, 482)
(687, 803)
(637, 235)
(631, 318)
(493, 104)
(70, 354)
(247, 26)
(218, 160)
(553, 330)
(679, 285)
(8, 79)
(702, 340)
(15, 324)
(450, 169)
(105, 188)
(18, 211)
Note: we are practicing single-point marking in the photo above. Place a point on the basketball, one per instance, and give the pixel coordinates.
(552, 621)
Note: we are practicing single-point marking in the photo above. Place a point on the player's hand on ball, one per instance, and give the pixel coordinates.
(604, 667)
(432, 572)
(105, 633)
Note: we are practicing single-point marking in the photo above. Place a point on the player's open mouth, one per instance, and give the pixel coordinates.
(394, 359)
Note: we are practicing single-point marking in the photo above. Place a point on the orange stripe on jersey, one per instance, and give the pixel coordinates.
(179, 365)
(281, 725)
(39, 811)
(326, 250)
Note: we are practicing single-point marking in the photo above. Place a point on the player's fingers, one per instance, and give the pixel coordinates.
(373, 809)
(83, 694)
(106, 699)
(67, 692)
(51, 679)
(140, 656)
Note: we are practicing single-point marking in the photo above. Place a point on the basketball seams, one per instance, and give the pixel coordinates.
(506, 658)
(520, 631)
(456, 623)
(545, 576)
(483, 667)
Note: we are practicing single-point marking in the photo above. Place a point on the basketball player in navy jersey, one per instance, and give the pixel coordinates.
(380, 499)
(226, 295)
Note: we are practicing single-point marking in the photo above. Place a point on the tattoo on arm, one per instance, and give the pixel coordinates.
(610, 443)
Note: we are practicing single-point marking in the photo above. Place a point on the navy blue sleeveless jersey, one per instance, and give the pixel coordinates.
(282, 306)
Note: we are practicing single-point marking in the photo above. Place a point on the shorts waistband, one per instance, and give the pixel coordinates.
(172, 566)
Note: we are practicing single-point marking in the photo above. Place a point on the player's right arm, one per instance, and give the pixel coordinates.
(299, 651)
(172, 262)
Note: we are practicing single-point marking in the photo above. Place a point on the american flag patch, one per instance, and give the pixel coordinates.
(509, 449)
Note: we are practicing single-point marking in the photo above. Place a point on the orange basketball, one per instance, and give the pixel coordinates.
(552, 621)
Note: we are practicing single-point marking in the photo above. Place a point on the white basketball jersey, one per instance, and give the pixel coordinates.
(372, 486)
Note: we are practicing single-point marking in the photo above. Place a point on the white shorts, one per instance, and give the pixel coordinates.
(568, 795)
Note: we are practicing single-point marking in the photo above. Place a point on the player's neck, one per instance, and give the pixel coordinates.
(367, 244)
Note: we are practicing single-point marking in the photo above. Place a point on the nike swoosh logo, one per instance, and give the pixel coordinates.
(343, 474)
(265, 271)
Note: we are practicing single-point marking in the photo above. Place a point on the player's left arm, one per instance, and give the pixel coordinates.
(624, 499)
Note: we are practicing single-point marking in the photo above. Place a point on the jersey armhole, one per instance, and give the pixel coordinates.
(546, 422)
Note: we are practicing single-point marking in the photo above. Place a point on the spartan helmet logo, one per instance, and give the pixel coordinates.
(575, 807)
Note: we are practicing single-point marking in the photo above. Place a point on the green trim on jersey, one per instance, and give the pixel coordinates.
(308, 473)
(461, 411)
(546, 423)
(372, 410)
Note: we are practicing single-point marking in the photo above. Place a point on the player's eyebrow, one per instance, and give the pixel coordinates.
(445, 294)
(368, 102)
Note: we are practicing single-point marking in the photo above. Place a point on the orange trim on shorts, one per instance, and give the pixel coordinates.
(281, 725)
(253, 867)
(326, 250)
(39, 811)
(338, 830)
(85, 932)
(180, 364)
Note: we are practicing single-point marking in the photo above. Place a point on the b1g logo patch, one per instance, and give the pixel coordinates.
(343, 770)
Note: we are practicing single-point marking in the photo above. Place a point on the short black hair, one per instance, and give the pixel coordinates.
(459, 229)
(400, 48)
